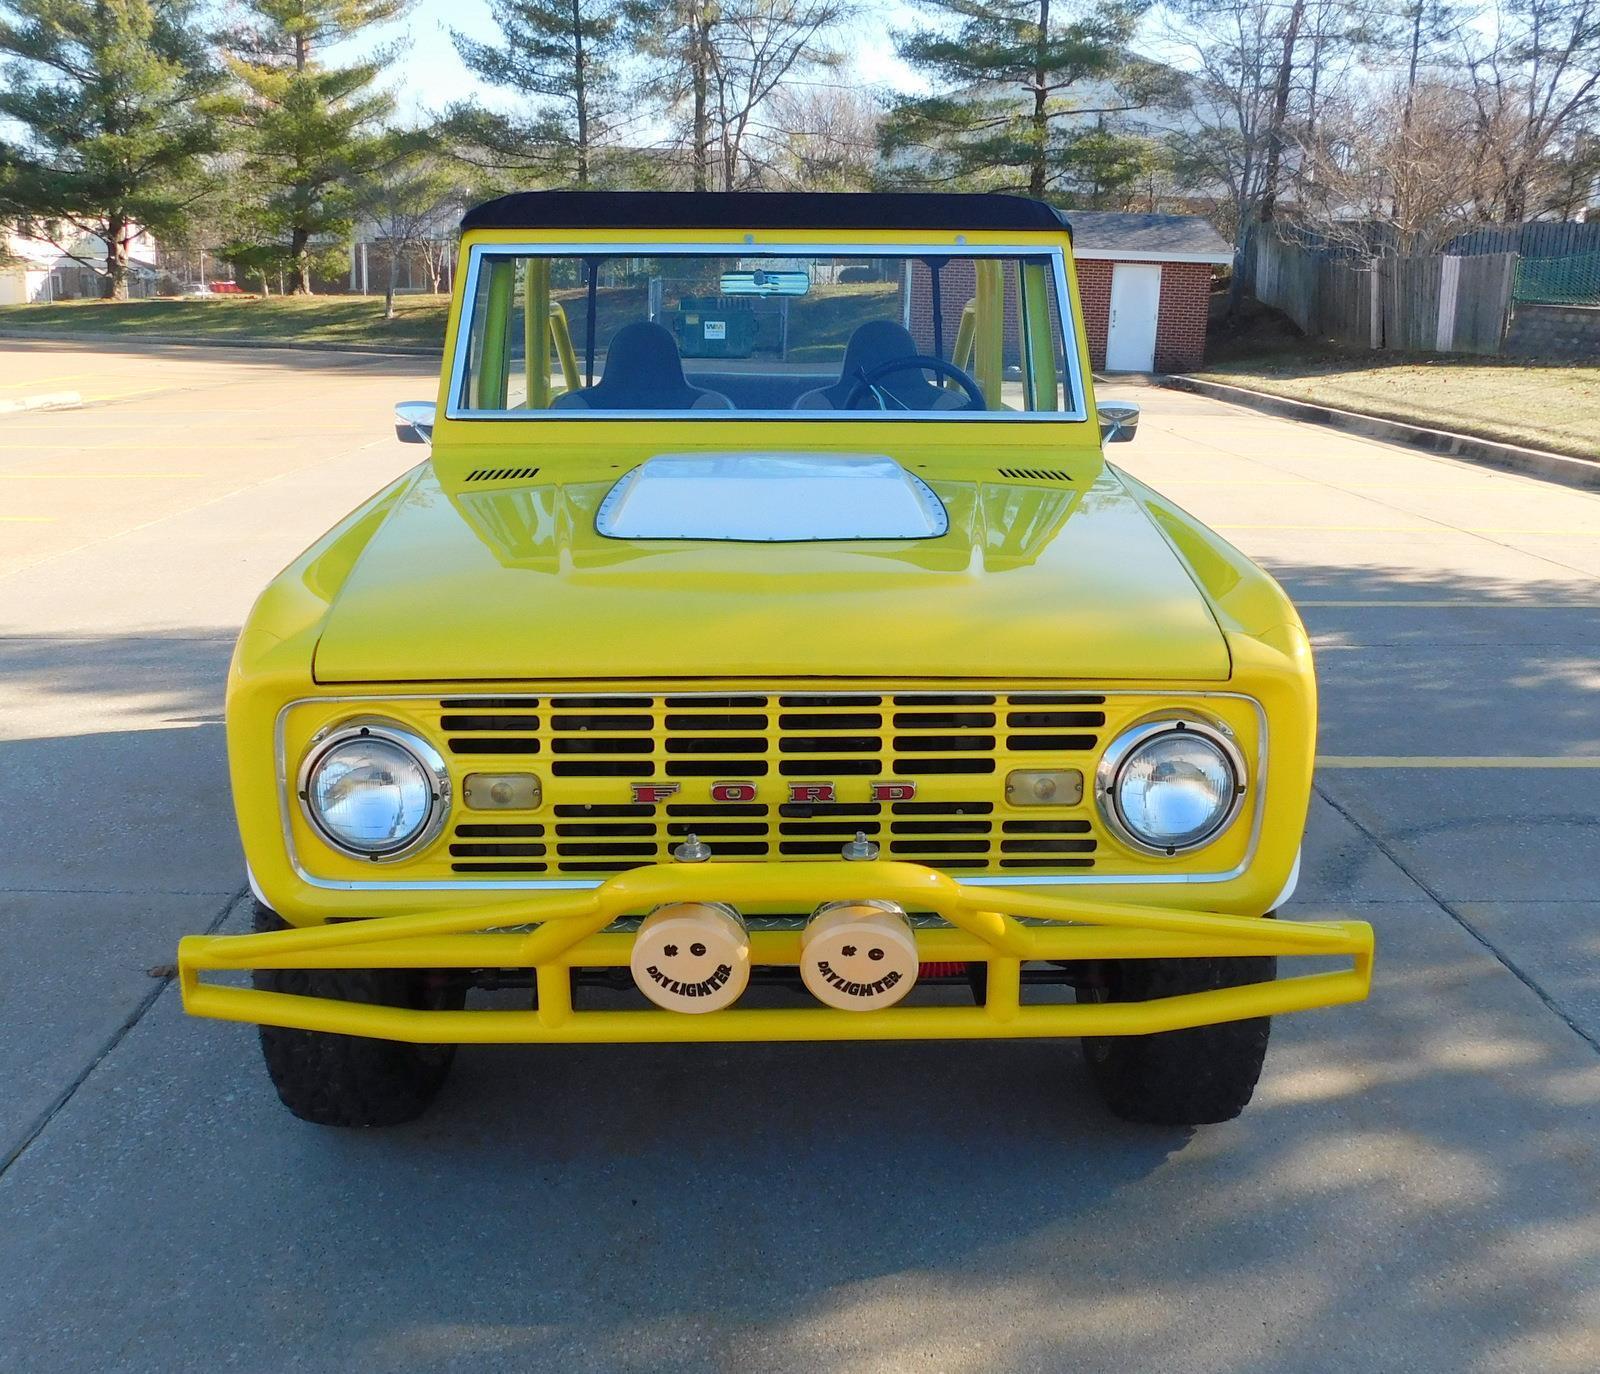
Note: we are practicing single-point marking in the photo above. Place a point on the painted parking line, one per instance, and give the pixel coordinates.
(28, 519)
(1431, 528)
(98, 398)
(1389, 604)
(1519, 761)
(40, 381)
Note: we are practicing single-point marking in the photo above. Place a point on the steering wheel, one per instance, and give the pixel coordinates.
(868, 378)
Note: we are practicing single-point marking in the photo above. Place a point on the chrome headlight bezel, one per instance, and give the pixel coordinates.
(1121, 750)
(426, 757)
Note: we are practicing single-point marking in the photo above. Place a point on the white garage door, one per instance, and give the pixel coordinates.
(1135, 305)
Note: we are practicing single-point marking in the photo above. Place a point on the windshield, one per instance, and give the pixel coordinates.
(937, 337)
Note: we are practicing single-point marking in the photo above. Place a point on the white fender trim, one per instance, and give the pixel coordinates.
(1292, 882)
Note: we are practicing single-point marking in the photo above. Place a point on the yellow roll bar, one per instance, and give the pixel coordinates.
(966, 332)
(989, 333)
(568, 355)
(1038, 338)
(536, 325)
(493, 372)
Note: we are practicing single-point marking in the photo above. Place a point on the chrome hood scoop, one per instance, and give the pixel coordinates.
(771, 498)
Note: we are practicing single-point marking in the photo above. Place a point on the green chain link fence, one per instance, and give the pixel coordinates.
(1572, 280)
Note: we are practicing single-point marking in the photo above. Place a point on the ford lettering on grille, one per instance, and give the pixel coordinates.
(653, 794)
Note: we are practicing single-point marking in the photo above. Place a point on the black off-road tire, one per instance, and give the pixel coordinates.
(1185, 1077)
(349, 1080)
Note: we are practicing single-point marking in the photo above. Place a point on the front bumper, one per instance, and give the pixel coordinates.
(1000, 927)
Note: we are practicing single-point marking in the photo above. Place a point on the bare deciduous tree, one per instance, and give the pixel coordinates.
(818, 138)
(722, 63)
(1231, 51)
(413, 203)
(1400, 162)
(1533, 69)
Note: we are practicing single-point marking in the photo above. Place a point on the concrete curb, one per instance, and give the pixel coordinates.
(1533, 462)
(54, 400)
(189, 341)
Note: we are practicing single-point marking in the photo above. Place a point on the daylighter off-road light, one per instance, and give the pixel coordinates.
(858, 956)
(692, 956)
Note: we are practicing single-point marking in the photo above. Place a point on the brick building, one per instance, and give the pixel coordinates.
(1145, 283)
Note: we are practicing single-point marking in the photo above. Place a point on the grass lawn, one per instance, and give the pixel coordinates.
(243, 319)
(819, 323)
(1547, 405)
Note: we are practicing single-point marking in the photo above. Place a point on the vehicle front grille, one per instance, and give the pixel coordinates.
(956, 748)
(626, 777)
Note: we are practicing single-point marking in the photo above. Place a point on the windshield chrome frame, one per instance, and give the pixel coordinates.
(1076, 413)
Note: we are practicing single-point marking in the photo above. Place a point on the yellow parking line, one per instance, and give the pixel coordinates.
(1458, 605)
(94, 398)
(1525, 761)
(41, 381)
(1413, 529)
(1432, 488)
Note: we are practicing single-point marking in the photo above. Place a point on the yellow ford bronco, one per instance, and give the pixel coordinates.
(766, 651)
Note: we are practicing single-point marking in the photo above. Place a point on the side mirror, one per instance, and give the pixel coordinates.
(413, 422)
(1119, 421)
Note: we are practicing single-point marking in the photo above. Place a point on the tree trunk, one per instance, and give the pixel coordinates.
(700, 80)
(580, 91)
(299, 240)
(115, 285)
(394, 279)
(1411, 69)
(1041, 116)
(1280, 113)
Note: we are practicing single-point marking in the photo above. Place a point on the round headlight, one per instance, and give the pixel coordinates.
(1170, 784)
(375, 790)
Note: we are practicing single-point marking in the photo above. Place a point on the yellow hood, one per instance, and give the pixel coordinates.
(1032, 579)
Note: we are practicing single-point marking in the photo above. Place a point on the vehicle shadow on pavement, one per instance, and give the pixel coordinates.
(116, 767)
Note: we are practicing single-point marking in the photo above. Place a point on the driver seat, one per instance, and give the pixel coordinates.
(872, 345)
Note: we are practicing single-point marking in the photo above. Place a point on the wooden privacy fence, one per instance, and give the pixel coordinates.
(1450, 304)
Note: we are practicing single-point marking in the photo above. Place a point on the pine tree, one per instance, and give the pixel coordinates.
(114, 100)
(311, 130)
(558, 55)
(1018, 87)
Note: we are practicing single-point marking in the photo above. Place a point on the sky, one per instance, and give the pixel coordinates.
(428, 75)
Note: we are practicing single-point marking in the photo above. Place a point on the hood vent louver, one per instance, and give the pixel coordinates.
(1035, 474)
(501, 474)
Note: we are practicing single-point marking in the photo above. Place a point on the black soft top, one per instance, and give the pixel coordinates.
(762, 210)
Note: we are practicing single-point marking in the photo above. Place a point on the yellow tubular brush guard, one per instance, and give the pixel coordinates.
(985, 925)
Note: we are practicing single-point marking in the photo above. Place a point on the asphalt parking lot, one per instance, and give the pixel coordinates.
(1417, 1186)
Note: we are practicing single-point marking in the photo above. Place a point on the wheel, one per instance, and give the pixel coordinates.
(1185, 1077)
(350, 1080)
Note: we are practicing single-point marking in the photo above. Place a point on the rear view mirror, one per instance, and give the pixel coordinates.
(1119, 420)
(413, 422)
